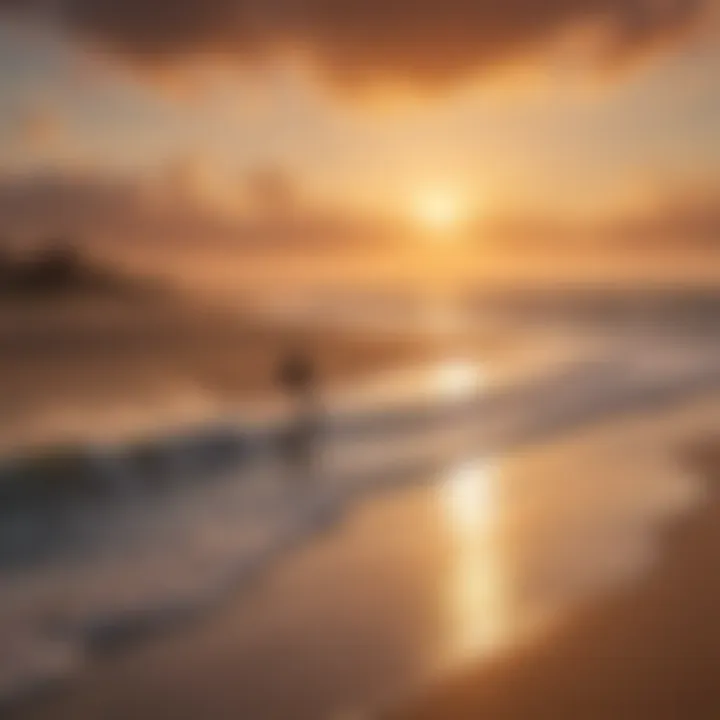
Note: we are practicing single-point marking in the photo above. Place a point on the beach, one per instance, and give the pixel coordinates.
(650, 651)
(107, 367)
(359, 360)
(464, 584)
(476, 480)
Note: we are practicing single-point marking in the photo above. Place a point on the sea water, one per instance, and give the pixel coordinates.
(101, 542)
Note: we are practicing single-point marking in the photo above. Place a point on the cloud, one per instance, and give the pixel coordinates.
(40, 128)
(164, 214)
(36, 204)
(686, 214)
(421, 43)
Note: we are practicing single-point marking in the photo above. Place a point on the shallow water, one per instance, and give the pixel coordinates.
(159, 529)
(412, 583)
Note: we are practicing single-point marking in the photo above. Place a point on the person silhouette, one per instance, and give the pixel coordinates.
(297, 377)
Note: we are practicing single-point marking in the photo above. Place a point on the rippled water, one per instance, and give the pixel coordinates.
(143, 534)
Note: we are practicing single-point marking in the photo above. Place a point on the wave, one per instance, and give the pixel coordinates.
(101, 543)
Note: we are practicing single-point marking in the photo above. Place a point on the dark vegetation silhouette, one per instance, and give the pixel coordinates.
(58, 267)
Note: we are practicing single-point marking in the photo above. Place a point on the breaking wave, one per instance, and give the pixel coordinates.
(100, 543)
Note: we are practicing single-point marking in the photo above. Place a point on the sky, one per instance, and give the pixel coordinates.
(588, 109)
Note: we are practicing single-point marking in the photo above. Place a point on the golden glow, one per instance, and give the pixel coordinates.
(457, 378)
(470, 499)
(477, 603)
(440, 211)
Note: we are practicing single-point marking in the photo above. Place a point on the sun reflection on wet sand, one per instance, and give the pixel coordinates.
(476, 593)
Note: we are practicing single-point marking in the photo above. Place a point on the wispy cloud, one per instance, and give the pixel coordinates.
(40, 128)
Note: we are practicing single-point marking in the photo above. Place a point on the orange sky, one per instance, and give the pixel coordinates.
(574, 109)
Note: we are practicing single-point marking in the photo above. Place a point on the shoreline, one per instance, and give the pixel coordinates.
(76, 374)
(165, 659)
(646, 652)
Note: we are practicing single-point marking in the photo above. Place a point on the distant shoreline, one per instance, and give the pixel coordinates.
(78, 370)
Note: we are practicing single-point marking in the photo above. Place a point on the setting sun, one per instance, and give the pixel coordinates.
(439, 211)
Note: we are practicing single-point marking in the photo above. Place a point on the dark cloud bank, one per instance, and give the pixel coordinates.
(420, 42)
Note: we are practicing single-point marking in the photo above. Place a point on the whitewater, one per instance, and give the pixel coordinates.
(105, 542)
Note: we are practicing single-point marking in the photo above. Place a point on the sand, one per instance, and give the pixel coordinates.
(650, 652)
(368, 615)
(81, 370)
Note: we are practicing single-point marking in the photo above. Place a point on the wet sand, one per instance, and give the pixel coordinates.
(423, 581)
(84, 370)
(650, 652)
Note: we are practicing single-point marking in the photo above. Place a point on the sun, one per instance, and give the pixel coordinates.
(439, 211)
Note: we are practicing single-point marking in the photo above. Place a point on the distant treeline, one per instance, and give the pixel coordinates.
(56, 267)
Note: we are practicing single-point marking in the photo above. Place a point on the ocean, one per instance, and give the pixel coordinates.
(105, 541)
